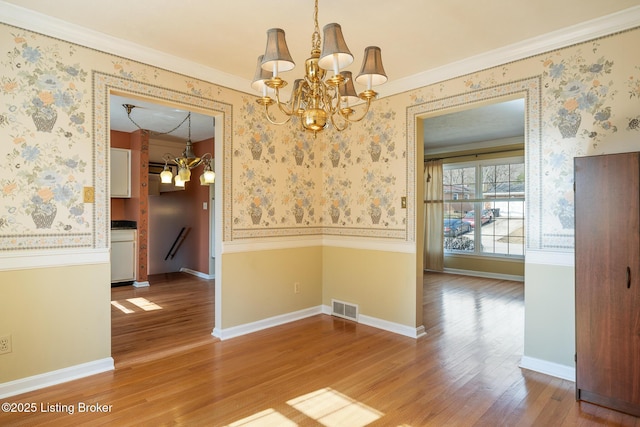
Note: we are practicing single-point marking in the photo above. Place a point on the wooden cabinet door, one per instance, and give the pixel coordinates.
(608, 280)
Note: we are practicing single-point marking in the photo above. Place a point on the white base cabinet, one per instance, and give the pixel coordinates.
(123, 256)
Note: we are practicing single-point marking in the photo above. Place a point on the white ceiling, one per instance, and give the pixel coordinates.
(159, 119)
(220, 40)
(498, 123)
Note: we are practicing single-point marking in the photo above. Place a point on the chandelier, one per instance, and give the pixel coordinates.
(185, 162)
(317, 99)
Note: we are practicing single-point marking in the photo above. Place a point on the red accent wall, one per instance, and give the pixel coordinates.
(137, 207)
(174, 210)
(200, 196)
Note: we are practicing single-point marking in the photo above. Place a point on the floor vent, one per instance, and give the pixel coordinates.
(344, 310)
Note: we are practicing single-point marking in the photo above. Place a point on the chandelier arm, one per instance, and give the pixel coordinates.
(335, 124)
(281, 105)
(364, 114)
(331, 98)
(274, 121)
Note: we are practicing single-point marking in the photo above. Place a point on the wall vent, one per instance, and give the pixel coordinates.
(344, 309)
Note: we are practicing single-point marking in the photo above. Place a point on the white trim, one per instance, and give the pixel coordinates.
(267, 244)
(369, 244)
(247, 328)
(563, 259)
(55, 258)
(197, 273)
(59, 376)
(396, 328)
(549, 368)
(352, 242)
(485, 274)
(589, 30)
(609, 24)
(137, 284)
(54, 27)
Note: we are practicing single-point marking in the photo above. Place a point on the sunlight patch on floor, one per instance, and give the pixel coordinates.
(326, 406)
(121, 307)
(268, 417)
(142, 303)
(334, 409)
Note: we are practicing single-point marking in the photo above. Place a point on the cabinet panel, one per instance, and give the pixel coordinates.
(123, 255)
(120, 171)
(607, 213)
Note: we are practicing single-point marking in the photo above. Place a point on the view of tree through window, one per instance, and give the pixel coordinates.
(484, 202)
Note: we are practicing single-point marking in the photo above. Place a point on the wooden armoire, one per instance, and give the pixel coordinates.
(607, 288)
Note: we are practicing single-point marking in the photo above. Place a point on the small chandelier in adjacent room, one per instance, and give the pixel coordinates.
(317, 99)
(185, 162)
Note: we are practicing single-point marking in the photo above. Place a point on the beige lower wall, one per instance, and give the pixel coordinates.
(257, 285)
(383, 284)
(549, 296)
(485, 265)
(57, 318)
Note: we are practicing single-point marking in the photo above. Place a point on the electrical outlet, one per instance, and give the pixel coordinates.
(296, 288)
(5, 344)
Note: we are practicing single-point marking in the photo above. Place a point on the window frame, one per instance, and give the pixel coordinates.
(479, 202)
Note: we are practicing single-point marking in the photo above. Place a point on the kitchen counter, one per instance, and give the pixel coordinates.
(123, 224)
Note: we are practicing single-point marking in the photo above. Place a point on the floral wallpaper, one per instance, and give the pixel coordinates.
(45, 157)
(278, 180)
(290, 182)
(586, 103)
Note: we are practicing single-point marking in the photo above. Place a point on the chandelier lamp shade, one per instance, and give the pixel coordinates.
(317, 99)
(185, 162)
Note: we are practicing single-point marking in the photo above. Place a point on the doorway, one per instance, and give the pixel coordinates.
(108, 85)
(174, 222)
(475, 158)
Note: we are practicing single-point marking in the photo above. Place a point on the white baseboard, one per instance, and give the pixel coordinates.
(247, 328)
(396, 328)
(198, 273)
(386, 325)
(549, 368)
(484, 274)
(144, 284)
(59, 376)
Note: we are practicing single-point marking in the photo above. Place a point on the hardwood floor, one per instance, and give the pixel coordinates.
(321, 370)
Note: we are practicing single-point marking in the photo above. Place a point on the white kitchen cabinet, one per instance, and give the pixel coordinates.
(120, 173)
(123, 256)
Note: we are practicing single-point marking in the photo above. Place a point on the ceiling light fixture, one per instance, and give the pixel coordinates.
(187, 161)
(317, 99)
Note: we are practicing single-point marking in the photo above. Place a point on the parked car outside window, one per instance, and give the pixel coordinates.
(455, 227)
(487, 216)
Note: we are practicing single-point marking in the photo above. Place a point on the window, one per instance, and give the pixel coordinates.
(484, 202)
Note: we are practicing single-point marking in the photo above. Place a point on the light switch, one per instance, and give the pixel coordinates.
(205, 206)
(89, 195)
(403, 202)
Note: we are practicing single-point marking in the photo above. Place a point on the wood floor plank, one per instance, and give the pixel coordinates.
(321, 370)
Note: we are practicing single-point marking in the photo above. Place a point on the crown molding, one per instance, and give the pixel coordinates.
(54, 27)
(589, 30)
(579, 33)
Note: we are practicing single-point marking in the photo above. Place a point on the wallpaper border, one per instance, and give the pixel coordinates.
(531, 89)
(103, 85)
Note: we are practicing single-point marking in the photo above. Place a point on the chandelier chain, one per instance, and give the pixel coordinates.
(153, 132)
(315, 37)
